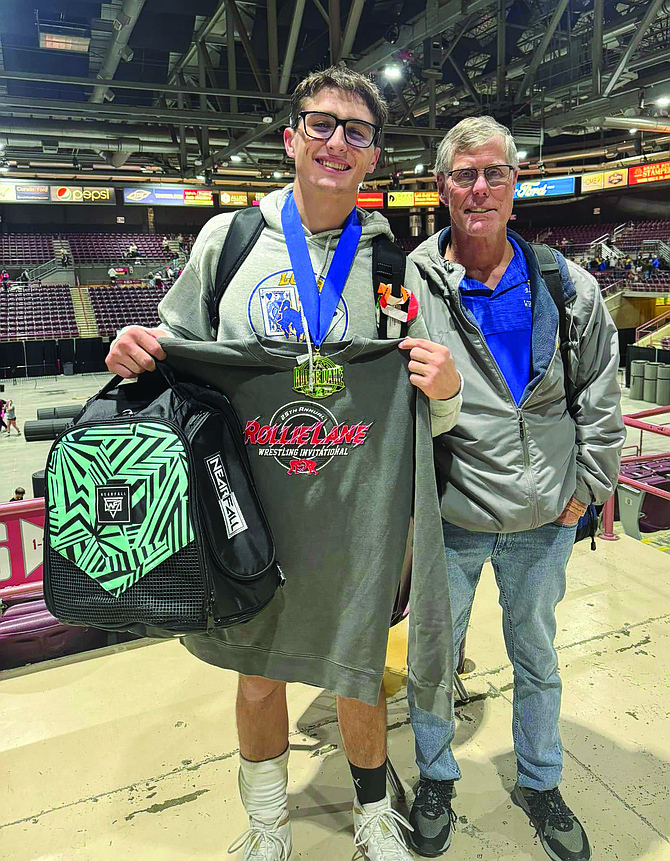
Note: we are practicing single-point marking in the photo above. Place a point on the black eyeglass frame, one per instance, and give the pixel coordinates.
(482, 171)
(343, 123)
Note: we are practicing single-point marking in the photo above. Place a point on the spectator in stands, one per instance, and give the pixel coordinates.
(628, 262)
(64, 258)
(158, 279)
(603, 266)
(180, 242)
(534, 446)
(656, 263)
(646, 268)
(19, 493)
(165, 244)
(112, 275)
(151, 281)
(4, 278)
(570, 248)
(24, 276)
(10, 417)
(132, 250)
(169, 272)
(563, 244)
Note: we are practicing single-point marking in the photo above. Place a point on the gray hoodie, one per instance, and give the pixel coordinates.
(508, 468)
(262, 299)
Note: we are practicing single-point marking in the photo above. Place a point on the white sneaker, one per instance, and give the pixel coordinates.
(377, 831)
(263, 842)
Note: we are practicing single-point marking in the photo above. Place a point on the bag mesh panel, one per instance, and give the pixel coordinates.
(172, 595)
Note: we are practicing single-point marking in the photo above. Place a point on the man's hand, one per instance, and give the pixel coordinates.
(572, 512)
(431, 368)
(135, 351)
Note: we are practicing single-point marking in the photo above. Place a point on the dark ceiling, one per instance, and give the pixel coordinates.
(560, 74)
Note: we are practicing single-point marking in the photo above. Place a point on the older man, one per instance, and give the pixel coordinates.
(519, 468)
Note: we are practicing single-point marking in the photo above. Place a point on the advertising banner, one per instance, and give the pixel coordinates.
(536, 188)
(426, 198)
(82, 194)
(233, 198)
(255, 197)
(24, 193)
(370, 199)
(400, 198)
(659, 172)
(162, 196)
(604, 180)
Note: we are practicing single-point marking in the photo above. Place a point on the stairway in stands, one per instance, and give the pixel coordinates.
(83, 313)
(60, 246)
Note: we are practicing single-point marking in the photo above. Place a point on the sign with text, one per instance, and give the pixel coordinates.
(233, 198)
(161, 195)
(21, 535)
(370, 199)
(400, 198)
(604, 180)
(659, 172)
(255, 197)
(426, 198)
(82, 194)
(23, 192)
(542, 188)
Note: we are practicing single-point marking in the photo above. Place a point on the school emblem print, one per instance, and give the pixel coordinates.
(274, 310)
(304, 437)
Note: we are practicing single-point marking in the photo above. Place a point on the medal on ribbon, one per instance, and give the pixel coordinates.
(319, 377)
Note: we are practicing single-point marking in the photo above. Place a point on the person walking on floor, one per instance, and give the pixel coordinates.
(539, 438)
(10, 417)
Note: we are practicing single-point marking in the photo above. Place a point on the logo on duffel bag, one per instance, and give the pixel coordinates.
(232, 515)
(112, 504)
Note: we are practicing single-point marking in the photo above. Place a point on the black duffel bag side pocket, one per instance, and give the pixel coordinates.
(241, 550)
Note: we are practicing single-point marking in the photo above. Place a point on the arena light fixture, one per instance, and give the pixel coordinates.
(64, 42)
(393, 72)
(633, 131)
(522, 153)
(277, 174)
(419, 168)
(236, 158)
(663, 102)
(4, 166)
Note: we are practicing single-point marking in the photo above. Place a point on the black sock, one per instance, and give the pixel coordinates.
(370, 783)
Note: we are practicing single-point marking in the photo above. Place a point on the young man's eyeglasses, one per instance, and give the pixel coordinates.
(321, 126)
(494, 174)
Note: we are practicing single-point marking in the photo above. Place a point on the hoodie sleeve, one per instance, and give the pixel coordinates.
(596, 400)
(183, 310)
(443, 413)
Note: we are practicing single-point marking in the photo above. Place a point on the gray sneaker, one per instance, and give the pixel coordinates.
(559, 830)
(432, 818)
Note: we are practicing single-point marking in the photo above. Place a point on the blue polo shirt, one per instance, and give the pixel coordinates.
(505, 318)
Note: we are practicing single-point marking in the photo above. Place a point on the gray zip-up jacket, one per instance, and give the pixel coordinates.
(508, 468)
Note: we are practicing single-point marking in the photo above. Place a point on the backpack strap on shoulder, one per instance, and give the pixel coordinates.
(390, 296)
(552, 278)
(245, 228)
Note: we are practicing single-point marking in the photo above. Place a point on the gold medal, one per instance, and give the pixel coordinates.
(327, 378)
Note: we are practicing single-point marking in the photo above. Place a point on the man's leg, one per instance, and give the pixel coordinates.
(262, 726)
(530, 571)
(376, 825)
(431, 816)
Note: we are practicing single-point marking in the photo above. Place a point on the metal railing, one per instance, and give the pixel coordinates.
(652, 326)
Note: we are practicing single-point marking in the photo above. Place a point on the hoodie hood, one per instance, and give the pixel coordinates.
(373, 223)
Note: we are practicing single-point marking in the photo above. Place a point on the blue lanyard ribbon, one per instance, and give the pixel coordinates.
(319, 308)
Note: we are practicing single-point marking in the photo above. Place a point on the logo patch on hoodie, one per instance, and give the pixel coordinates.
(274, 310)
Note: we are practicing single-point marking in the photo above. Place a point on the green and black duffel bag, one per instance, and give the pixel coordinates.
(152, 520)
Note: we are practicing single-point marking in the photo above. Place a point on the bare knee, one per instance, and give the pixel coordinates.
(256, 688)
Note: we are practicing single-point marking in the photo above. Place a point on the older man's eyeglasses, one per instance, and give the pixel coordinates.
(494, 174)
(322, 126)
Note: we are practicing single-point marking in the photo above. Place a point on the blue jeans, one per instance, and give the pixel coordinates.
(530, 572)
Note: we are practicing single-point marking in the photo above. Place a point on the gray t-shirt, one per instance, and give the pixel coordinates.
(338, 478)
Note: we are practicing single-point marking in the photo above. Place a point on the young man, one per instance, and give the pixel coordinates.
(336, 121)
(522, 464)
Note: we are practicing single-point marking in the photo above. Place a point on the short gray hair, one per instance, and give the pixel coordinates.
(470, 134)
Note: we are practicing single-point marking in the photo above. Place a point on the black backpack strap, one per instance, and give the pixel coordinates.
(552, 278)
(243, 233)
(388, 277)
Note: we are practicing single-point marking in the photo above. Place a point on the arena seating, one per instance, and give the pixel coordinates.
(113, 247)
(37, 313)
(23, 249)
(116, 307)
